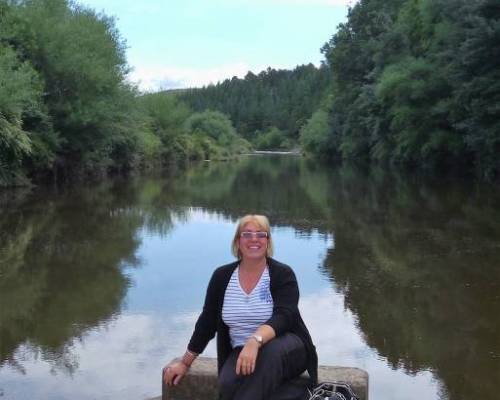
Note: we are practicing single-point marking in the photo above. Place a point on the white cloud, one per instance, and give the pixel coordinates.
(171, 77)
(328, 2)
(122, 360)
(338, 3)
(339, 342)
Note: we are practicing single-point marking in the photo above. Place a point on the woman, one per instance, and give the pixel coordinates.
(252, 305)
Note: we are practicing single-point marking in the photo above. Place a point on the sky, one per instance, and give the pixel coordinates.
(191, 43)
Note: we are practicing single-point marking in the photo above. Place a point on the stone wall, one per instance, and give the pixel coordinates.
(201, 381)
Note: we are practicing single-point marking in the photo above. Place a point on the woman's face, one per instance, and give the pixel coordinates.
(252, 247)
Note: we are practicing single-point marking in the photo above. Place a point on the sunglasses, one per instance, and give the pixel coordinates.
(252, 235)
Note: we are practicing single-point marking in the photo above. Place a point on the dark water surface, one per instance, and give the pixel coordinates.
(101, 285)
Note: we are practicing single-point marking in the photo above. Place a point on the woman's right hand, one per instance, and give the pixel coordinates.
(174, 372)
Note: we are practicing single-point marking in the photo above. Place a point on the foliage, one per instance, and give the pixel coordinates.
(274, 98)
(66, 108)
(20, 93)
(213, 124)
(475, 110)
(416, 82)
(412, 82)
(165, 119)
(314, 133)
(77, 58)
(213, 135)
(167, 115)
(273, 139)
(405, 89)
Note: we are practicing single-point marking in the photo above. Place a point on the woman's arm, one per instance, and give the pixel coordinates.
(174, 372)
(266, 332)
(206, 325)
(285, 292)
(245, 365)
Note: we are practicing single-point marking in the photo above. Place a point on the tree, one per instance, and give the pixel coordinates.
(80, 57)
(274, 98)
(416, 82)
(273, 139)
(20, 92)
(314, 133)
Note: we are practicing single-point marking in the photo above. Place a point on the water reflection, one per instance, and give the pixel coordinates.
(275, 186)
(399, 275)
(418, 264)
(60, 259)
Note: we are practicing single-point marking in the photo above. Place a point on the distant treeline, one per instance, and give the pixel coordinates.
(412, 82)
(268, 109)
(66, 108)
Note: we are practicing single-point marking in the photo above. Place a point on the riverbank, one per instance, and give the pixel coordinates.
(296, 152)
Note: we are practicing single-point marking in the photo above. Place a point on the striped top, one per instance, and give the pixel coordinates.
(244, 313)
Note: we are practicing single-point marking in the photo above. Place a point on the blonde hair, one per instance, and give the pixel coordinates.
(262, 222)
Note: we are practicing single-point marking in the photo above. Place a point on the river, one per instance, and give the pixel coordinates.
(100, 285)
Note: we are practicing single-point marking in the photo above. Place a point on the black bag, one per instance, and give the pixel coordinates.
(333, 391)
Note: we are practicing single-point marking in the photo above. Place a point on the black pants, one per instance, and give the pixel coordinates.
(278, 361)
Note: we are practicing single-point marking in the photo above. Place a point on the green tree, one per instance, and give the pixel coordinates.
(273, 98)
(272, 139)
(80, 58)
(166, 118)
(20, 92)
(411, 91)
(475, 70)
(314, 133)
(212, 124)
(416, 82)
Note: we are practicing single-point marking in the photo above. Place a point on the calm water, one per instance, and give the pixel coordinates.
(100, 286)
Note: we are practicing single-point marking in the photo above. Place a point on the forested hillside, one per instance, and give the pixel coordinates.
(404, 82)
(269, 108)
(66, 108)
(415, 82)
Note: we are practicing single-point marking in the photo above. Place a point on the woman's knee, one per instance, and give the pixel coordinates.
(281, 346)
(285, 353)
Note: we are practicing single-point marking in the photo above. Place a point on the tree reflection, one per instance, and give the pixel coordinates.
(61, 259)
(269, 185)
(416, 259)
(419, 265)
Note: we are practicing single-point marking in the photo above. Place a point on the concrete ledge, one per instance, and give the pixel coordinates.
(201, 381)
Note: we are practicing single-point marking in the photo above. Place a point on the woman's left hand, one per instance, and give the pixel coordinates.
(245, 365)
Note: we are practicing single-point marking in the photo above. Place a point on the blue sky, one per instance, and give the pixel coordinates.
(186, 43)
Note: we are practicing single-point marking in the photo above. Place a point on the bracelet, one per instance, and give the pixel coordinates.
(188, 358)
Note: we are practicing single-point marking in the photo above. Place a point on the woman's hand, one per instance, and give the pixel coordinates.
(173, 373)
(245, 365)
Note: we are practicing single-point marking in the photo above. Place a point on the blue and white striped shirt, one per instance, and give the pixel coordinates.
(244, 313)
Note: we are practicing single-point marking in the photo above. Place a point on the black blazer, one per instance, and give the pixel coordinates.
(285, 318)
